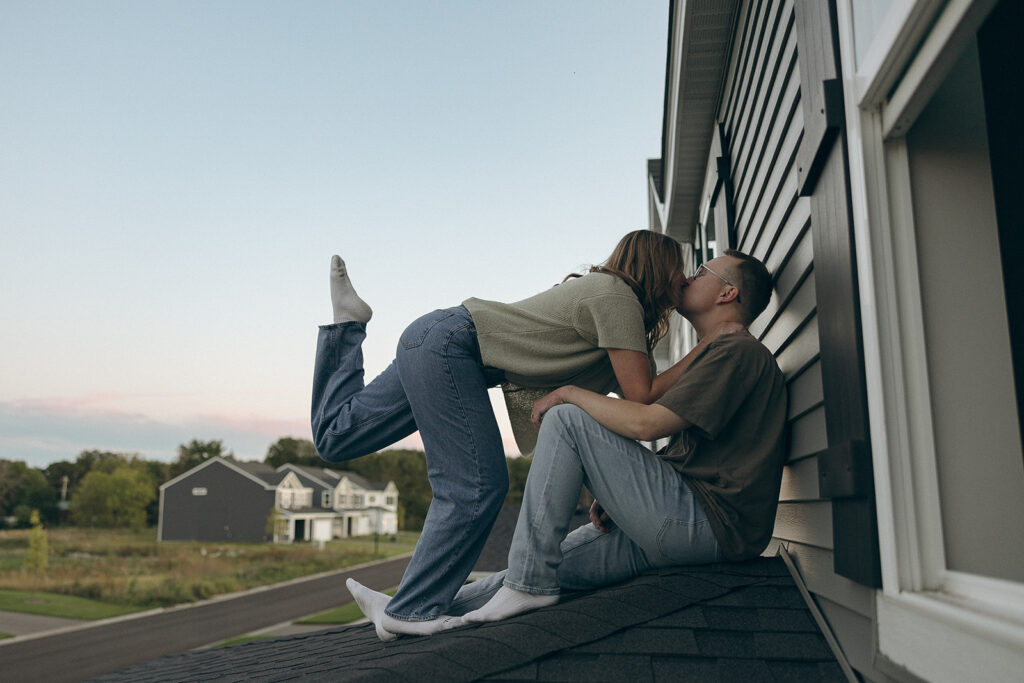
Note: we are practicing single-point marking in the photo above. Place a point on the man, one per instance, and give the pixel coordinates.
(711, 494)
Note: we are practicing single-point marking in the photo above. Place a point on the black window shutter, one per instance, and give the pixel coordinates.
(845, 473)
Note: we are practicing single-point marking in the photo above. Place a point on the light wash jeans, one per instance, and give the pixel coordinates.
(657, 521)
(437, 384)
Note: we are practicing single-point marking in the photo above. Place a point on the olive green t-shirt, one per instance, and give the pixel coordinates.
(734, 396)
(557, 337)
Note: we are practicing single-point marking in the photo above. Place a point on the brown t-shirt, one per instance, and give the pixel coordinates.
(734, 396)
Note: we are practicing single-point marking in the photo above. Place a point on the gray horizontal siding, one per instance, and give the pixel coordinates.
(763, 127)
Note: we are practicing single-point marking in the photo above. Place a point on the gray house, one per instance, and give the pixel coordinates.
(228, 501)
(869, 152)
(218, 500)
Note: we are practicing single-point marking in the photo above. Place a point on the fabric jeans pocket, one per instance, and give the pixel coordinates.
(684, 542)
(417, 330)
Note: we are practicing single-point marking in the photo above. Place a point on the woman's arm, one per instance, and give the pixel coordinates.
(633, 369)
(628, 418)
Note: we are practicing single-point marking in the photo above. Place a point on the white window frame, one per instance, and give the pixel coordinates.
(325, 499)
(941, 625)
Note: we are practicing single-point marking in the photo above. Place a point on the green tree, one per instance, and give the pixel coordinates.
(114, 500)
(38, 555)
(24, 488)
(159, 472)
(196, 452)
(103, 461)
(277, 524)
(289, 450)
(87, 461)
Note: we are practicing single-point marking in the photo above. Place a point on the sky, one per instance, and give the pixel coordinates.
(175, 176)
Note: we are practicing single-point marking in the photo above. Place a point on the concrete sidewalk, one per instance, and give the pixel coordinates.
(20, 624)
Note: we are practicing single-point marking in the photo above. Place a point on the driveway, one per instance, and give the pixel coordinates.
(81, 651)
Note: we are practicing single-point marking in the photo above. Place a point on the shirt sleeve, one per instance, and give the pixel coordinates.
(711, 391)
(612, 321)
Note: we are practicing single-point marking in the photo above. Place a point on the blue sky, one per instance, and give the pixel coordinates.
(174, 177)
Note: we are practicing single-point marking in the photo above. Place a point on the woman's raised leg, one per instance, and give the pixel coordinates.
(348, 418)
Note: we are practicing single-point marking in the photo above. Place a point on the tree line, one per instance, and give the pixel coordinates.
(121, 490)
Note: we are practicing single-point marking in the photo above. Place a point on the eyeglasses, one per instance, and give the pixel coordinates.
(703, 266)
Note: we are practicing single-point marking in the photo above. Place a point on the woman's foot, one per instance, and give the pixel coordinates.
(348, 307)
(372, 605)
(508, 602)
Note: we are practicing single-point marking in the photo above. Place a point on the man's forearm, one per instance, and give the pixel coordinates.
(630, 419)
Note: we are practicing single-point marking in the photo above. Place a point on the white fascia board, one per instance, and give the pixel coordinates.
(353, 486)
(675, 67)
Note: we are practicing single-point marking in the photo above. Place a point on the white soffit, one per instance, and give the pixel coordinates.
(698, 55)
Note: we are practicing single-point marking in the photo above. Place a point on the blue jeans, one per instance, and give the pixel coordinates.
(437, 384)
(657, 521)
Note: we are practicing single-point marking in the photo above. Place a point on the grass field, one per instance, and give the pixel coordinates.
(56, 605)
(132, 571)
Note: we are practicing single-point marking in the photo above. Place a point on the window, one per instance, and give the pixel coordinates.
(945, 416)
(199, 491)
(325, 499)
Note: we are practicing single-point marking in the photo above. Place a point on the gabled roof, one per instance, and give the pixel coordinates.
(314, 475)
(256, 471)
(723, 622)
(263, 471)
(362, 482)
(330, 478)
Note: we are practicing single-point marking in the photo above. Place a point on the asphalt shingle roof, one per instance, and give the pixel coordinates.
(742, 621)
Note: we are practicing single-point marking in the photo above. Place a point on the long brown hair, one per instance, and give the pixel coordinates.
(646, 261)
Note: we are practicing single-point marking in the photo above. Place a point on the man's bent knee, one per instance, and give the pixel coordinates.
(561, 415)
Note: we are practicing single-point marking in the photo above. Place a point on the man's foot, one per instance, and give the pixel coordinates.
(348, 307)
(508, 602)
(372, 604)
(421, 628)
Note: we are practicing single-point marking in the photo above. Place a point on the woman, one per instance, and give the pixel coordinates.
(594, 331)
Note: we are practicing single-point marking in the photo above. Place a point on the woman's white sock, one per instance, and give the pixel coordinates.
(348, 307)
(372, 605)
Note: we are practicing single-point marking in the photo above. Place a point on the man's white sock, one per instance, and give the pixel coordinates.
(348, 307)
(508, 602)
(372, 605)
(421, 628)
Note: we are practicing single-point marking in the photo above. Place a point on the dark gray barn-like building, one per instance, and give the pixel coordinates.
(219, 501)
